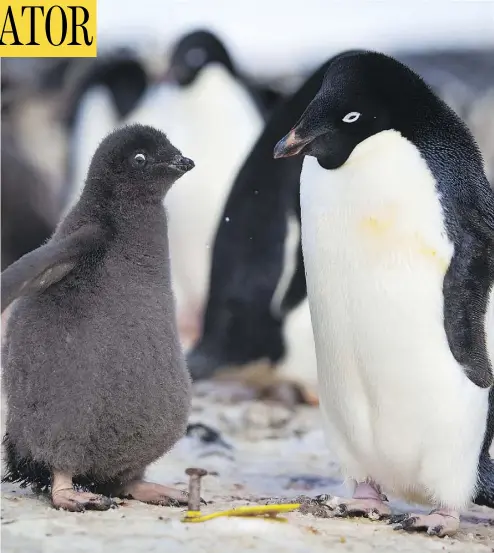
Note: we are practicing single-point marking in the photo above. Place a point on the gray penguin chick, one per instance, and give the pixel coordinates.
(96, 382)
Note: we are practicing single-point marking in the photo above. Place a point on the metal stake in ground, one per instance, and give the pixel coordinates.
(195, 475)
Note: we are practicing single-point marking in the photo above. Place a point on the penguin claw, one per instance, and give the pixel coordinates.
(155, 494)
(397, 519)
(373, 509)
(78, 502)
(436, 531)
(436, 523)
(403, 522)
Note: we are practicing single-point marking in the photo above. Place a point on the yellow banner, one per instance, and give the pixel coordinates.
(47, 29)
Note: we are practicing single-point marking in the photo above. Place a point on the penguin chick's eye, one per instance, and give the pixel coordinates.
(139, 160)
(351, 117)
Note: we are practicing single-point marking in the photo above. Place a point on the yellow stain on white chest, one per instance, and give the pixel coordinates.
(377, 226)
(384, 235)
(381, 207)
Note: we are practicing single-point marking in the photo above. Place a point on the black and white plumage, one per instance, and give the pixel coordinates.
(94, 374)
(398, 241)
(257, 274)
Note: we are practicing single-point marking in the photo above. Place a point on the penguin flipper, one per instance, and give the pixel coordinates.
(485, 483)
(39, 269)
(467, 286)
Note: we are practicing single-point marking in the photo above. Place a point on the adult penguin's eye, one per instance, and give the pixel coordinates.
(351, 117)
(139, 160)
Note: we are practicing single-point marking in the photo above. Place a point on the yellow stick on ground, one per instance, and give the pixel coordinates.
(248, 511)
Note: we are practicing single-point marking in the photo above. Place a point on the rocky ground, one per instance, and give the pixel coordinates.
(275, 452)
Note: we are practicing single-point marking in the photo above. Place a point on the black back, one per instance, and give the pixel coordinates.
(247, 262)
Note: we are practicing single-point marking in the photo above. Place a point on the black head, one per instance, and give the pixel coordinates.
(137, 161)
(363, 93)
(193, 53)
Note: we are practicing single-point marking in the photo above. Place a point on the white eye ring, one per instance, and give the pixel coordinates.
(351, 117)
(140, 158)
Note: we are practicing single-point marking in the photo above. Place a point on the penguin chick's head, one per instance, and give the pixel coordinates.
(362, 94)
(193, 53)
(137, 161)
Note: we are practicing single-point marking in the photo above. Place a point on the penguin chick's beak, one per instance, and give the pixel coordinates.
(290, 145)
(182, 164)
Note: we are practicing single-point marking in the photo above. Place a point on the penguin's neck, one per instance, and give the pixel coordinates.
(149, 213)
(140, 218)
(140, 231)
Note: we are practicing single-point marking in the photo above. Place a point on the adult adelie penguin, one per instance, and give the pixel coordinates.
(398, 243)
(213, 116)
(96, 383)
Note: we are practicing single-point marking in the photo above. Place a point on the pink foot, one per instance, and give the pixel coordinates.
(155, 494)
(367, 501)
(441, 522)
(75, 501)
(63, 496)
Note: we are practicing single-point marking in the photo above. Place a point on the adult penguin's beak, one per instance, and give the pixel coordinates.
(290, 145)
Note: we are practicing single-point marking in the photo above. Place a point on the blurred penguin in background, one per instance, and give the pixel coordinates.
(194, 51)
(32, 98)
(99, 98)
(28, 211)
(257, 323)
(211, 112)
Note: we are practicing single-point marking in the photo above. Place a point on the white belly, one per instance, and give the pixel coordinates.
(397, 406)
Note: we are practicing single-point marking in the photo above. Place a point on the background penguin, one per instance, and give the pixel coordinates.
(99, 96)
(29, 216)
(201, 48)
(398, 243)
(72, 347)
(28, 199)
(32, 96)
(212, 115)
(257, 274)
